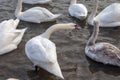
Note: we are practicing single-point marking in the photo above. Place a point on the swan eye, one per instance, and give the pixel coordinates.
(75, 25)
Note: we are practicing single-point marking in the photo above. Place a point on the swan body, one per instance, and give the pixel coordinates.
(10, 37)
(42, 52)
(77, 10)
(36, 1)
(105, 53)
(109, 17)
(35, 14)
(102, 52)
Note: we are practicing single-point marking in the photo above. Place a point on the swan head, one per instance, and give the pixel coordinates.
(58, 27)
(66, 26)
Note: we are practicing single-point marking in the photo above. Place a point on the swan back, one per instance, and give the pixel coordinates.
(78, 10)
(6, 38)
(7, 29)
(5, 26)
(32, 44)
(10, 37)
(37, 15)
(42, 52)
(109, 15)
(7, 33)
(104, 52)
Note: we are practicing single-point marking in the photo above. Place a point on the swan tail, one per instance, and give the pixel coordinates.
(56, 16)
(53, 68)
(16, 22)
(18, 39)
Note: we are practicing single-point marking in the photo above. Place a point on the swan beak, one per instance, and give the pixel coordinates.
(77, 27)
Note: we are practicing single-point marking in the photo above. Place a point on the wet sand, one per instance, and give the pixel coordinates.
(70, 46)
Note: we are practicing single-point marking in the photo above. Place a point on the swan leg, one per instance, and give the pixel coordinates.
(36, 68)
(8, 49)
(19, 36)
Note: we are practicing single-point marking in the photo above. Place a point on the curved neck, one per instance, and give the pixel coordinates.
(94, 35)
(48, 32)
(18, 8)
(73, 2)
(93, 13)
(52, 29)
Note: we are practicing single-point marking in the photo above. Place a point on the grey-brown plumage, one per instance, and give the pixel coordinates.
(102, 52)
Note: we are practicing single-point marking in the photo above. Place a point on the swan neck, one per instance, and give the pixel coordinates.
(73, 2)
(54, 28)
(94, 36)
(93, 14)
(48, 32)
(18, 8)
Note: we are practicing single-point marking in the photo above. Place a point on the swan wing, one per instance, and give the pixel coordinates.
(111, 50)
(41, 50)
(8, 25)
(110, 14)
(7, 28)
(78, 9)
(36, 14)
(2, 27)
(10, 37)
(6, 38)
(105, 53)
(44, 10)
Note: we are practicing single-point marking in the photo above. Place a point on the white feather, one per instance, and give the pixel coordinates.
(78, 10)
(42, 52)
(110, 16)
(10, 37)
(35, 14)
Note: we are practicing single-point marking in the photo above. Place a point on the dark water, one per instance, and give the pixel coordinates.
(70, 46)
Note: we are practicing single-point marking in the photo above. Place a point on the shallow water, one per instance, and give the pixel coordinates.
(70, 46)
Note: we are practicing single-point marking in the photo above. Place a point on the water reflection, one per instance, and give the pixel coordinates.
(40, 75)
(95, 67)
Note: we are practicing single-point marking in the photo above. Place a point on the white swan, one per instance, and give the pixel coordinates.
(36, 1)
(102, 52)
(10, 37)
(77, 10)
(109, 17)
(42, 52)
(35, 14)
